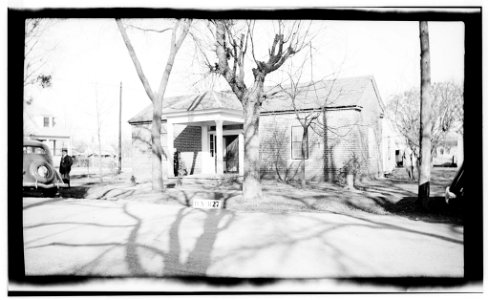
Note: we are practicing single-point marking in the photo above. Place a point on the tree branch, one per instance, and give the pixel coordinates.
(148, 29)
(135, 60)
(222, 51)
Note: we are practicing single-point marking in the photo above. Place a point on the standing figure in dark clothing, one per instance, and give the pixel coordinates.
(65, 166)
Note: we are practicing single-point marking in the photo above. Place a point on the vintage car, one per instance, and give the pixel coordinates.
(39, 172)
(455, 192)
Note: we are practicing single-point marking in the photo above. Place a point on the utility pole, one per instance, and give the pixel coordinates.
(120, 129)
(426, 117)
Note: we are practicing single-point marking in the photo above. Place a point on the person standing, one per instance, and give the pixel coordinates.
(65, 166)
(409, 161)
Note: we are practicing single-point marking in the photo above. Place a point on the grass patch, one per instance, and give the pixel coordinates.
(395, 195)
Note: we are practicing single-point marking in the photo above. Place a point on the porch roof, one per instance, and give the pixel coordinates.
(210, 101)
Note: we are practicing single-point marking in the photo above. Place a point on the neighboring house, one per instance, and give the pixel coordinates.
(207, 131)
(394, 146)
(42, 125)
(450, 151)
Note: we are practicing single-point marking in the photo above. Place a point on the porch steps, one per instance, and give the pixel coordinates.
(207, 180)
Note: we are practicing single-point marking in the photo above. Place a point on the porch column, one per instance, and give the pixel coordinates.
(205, 149)
(241, 153)
(169, 144)
(219, 148)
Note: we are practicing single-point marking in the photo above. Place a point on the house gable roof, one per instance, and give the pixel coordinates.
(344, 92)
(340, 93)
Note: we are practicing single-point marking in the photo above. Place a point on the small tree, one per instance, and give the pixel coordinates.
(320, 95)
(293, 90)
(179, 32)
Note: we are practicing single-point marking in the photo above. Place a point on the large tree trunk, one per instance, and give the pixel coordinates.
(426, 123)
(251, 183)
(304, 155)
(157, 149)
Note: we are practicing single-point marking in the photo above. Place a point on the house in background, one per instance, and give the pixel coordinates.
(207, 132)
(394, 146)
(42, 125)
(93, 159)
(450, 151)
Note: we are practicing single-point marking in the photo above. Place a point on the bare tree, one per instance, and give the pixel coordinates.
(179, 32)
(426, 117)
(231, 48)
(404, 112)
(319, 95)
(449, 105)
(34, 56)
(292, 91)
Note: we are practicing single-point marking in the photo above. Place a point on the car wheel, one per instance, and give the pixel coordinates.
(42, 171)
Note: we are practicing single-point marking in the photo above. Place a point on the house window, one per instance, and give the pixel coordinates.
(296, 143)
(46, 121)
(53, 122)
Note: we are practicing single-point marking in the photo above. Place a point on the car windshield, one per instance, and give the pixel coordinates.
(34, 150)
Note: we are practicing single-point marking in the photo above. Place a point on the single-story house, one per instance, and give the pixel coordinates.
(206, 130)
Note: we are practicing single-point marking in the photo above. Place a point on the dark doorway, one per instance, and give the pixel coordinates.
(231, 155)
(398, 158)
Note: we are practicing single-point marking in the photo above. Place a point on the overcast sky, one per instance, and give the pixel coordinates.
(88, 59)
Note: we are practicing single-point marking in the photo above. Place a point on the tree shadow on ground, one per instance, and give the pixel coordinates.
(174, 265)
(199, 258)
(193, 267)
(41, 203)
(321, 230)
(438, 210)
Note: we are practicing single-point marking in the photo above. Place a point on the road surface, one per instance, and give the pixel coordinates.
(131, 238)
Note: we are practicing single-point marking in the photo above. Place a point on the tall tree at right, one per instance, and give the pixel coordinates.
(426, 118)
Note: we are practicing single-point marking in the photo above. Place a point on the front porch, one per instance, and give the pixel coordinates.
(221, 140)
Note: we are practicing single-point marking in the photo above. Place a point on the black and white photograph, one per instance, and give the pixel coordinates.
(258, 150)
